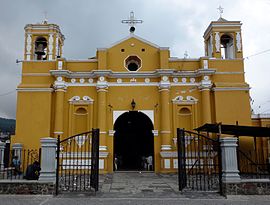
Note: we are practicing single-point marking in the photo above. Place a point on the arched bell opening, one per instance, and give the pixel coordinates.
(227, 47)
(41, 48)
(133, 142)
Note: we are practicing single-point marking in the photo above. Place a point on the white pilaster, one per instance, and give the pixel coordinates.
(2, 151)
(230, 172)
(48, 159)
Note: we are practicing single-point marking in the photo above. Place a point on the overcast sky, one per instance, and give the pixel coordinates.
(178, 24)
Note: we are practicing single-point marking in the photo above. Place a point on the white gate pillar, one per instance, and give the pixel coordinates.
(48, 159)
(17, 148)
(230, 172)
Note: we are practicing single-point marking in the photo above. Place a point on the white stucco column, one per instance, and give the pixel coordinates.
(17, 148)
(48, 159)
(2, 151)
(230, 172)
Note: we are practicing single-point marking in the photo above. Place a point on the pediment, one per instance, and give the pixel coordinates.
(135, 37)
(133, 54)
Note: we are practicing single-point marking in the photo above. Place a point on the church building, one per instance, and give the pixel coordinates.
(134, 91)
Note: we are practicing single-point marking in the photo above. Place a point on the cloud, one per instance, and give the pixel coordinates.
(178, 24)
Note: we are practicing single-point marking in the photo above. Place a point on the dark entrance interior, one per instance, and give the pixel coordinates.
(133, 141)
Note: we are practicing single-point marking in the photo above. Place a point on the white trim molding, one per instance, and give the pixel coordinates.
(111, 132)
(34, 89)
(155, 132)
(231, 89)
(260, 116)
(166, 147)
(165, 154)
(102, 148)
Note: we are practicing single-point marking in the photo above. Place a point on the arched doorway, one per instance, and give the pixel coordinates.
(133, 141)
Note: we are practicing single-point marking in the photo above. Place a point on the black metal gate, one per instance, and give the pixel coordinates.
(199, 162)
(78, 163)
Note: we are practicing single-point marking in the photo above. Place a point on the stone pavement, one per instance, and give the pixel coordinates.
(85, 200)
(122, 188)
(138, 184)
(145, 184)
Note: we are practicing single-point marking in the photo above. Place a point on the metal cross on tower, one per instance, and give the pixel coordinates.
(220, 10)
(131, 22)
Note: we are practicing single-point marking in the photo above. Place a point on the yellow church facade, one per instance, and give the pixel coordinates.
(133, 91)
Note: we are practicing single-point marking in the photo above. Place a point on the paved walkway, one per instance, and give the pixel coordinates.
(145, 184)
(135, 188)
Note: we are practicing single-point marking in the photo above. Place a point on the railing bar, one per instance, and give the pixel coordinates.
(74, 136)
(204, 167)
(189, 159)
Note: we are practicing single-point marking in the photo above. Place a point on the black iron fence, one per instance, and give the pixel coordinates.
(78, 163)
(199, 162)
(16, 162)
(253, 161)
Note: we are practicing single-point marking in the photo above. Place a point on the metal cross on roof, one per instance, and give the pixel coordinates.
(132, 21)
(220, 10)
(45, 17)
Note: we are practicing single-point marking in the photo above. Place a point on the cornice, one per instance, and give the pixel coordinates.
(231, 88)
(260, 116)
(151, 74)
(34, 89)
(214, 24)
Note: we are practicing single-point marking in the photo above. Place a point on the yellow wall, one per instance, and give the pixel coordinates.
(225, 99)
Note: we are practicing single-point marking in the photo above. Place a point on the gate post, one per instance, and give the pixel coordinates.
(2, 151)
(48, 157)
(17, 148)
(230, 172)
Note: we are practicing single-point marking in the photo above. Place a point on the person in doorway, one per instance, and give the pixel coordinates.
(144, 163)
(115, 163)
(16, 163)
(32, 171)
(149, 163)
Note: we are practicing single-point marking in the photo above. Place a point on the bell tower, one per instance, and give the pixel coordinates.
(43, 41)
(223, 39)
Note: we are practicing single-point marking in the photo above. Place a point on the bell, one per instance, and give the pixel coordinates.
(40, 49)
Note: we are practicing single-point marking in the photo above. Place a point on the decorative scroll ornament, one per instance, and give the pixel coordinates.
(59, 83)
(211, 44)
(164, 83)
(78, 100)
(28, 44)
(60, 65)
(102, 84)
(205, 64)
(80, 140)
(238, 42)
(206, 83)
(56, 46)
(217, 39)
(184, 100)
(50, 47)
